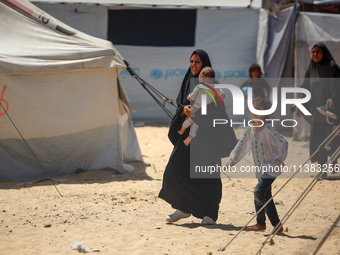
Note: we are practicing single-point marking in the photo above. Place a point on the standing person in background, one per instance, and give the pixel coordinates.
(256, 81)
(199, 197)
(322, 80)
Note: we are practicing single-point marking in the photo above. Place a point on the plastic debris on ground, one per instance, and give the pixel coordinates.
(80, 247)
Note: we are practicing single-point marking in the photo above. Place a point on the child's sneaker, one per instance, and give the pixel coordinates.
(177, 215)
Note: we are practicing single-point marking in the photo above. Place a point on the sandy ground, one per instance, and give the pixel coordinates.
(121, 214)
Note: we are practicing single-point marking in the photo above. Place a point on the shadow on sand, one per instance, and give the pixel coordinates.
(231, 227)
(97, 176)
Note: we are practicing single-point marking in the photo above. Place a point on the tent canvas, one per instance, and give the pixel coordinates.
(168, 3)
(234, 37)
(64, 96)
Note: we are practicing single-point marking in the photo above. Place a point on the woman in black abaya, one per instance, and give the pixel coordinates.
(322, 80)
(197, 196)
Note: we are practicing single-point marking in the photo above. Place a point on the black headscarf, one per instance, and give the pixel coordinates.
(318, 80)
(182, 100)
(326, 68)
(185, 88)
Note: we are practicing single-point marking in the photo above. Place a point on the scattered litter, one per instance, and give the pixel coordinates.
(80, 170)
(306, 145)
(251, 213)
(19, 184)
(279, 202)
(80, 247)
(139, 124)
(149, 164)
(127, 167)
(155, 227)
(331, 224)
(42, 180)
(149, 144)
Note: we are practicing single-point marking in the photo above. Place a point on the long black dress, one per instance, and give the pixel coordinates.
(198, 196)
(322, 80)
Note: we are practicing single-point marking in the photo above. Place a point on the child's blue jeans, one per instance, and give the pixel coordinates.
(262, 193)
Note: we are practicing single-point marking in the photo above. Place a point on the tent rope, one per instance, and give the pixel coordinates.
(150, 89)
(326, 236)
(289, 213)
(277, 227)
(30, 149)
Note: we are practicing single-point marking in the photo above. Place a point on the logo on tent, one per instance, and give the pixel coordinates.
(156, 74)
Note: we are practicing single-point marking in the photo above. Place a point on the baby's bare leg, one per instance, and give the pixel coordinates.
(182, 130)
(187, 140)
(185, 125)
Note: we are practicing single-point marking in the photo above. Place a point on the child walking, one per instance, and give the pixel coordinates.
(269, 149)
(206, 76)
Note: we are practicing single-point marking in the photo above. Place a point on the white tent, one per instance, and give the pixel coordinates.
(233, 35)
(62, 104)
